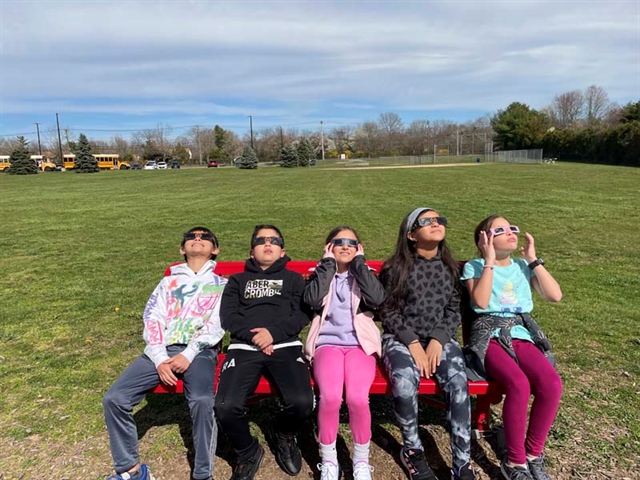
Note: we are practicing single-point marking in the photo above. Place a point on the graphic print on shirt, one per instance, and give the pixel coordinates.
(189, 316)
(263, 288)
(509, 298)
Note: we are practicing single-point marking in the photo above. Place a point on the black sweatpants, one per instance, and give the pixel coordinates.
(241, 372)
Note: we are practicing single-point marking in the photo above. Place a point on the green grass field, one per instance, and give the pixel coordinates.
(74, 248)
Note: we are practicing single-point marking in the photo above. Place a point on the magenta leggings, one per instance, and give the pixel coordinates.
(333, 368)
(532, 374)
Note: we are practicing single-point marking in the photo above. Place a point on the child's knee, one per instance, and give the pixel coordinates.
(301, 405)
(404, 382)
(358, 402)
(330, 401)
(225, 410)
(114, 399)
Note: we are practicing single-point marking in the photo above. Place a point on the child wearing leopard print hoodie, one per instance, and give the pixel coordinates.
(420, 317)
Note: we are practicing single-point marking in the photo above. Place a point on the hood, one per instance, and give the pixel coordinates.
(252, 266)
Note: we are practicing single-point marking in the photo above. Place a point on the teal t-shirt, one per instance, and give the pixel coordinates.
(510, 292)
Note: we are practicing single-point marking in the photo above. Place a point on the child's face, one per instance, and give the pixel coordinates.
(504, 242)
(344, 253)
(432, 232)
(199, 247)
(267, 253)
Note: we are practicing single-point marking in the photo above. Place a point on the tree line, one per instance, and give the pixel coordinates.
(577, 125)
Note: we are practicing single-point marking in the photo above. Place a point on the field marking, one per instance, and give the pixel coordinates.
(406, 166)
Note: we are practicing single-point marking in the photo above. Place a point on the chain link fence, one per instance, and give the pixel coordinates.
(516, 156)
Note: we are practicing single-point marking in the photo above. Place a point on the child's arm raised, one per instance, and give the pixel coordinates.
(542, 281)
(319, 281)
(371, 289)
(480, 288)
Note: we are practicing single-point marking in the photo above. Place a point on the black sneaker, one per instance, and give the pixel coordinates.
(515, 473)
(247, 470)
(416, 464)
(286, 452)
(537, 468)
(463, 473)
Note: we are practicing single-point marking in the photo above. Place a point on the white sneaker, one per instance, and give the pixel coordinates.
(362, 471)
(329, 471)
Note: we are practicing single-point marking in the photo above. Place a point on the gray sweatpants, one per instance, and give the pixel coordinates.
(452, 378)
(129, 390)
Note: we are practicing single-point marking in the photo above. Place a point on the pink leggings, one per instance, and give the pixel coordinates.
(531, 374)
(333, 368)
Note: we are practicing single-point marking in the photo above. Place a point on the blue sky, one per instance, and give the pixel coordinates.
(108, 67)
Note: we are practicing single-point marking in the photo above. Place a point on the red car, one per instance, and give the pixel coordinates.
(212, 163)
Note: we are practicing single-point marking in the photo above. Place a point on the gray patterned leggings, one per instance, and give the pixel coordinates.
(451, 377)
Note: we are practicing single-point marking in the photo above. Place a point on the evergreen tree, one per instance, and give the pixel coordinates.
(21, 163)
(305, 151)
(289, 156)
(85, 162)
(248, 160)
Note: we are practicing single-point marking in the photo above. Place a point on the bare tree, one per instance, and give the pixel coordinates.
(596, 102)
(367, 139)
(418, 137)
(567, 108)
(342, 138)
(391, 128)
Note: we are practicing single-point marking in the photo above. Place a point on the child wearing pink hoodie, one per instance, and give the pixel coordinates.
(342, 344)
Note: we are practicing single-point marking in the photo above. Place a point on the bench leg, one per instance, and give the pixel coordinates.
(481, 416)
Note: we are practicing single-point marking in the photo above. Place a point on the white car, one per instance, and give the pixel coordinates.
(150, 165)
(161, 165)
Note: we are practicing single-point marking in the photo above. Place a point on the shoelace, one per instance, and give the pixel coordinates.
(326, 472)
(517, 474)
(362, 471)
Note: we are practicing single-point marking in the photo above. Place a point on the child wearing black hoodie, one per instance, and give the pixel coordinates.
(262, 310)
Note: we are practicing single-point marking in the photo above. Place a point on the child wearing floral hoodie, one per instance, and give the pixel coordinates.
(182, 332)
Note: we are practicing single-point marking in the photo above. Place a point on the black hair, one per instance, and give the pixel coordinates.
(257, 228)
(338, 229)
(204, 230)
(484, 226)
(395, 270)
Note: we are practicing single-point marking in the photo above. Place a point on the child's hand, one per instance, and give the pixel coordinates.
(268, 351)
(328, 251)
(433, 353)
(419, 356)
(262, 338)
(529, 249)
(485, 245)
(178, 363)
(360, 250)
(166, 375)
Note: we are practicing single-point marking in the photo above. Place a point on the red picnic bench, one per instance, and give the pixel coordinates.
(486, 393)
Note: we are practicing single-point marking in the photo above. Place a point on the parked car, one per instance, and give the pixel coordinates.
(175, 165)
(212, 163)
(136, 166)
(161, 165)
(150, 165)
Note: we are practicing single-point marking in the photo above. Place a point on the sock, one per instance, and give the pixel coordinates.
(329, 453)
(361, 453)
(135, 474)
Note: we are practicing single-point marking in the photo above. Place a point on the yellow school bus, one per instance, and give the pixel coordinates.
(110, 161)
(43, 163)
(5, 163)
(68, 161)
(106, 161)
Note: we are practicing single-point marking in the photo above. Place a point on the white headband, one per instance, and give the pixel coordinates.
(413, 216)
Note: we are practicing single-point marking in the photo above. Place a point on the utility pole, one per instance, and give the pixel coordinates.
(457, 142)
(251, 129)
(59, 141)
(322, 139)
(39, 146)
(281, 139)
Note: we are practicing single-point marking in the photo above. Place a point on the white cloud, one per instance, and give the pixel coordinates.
(194, 57)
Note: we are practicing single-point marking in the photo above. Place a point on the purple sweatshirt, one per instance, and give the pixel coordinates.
(337, 329)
